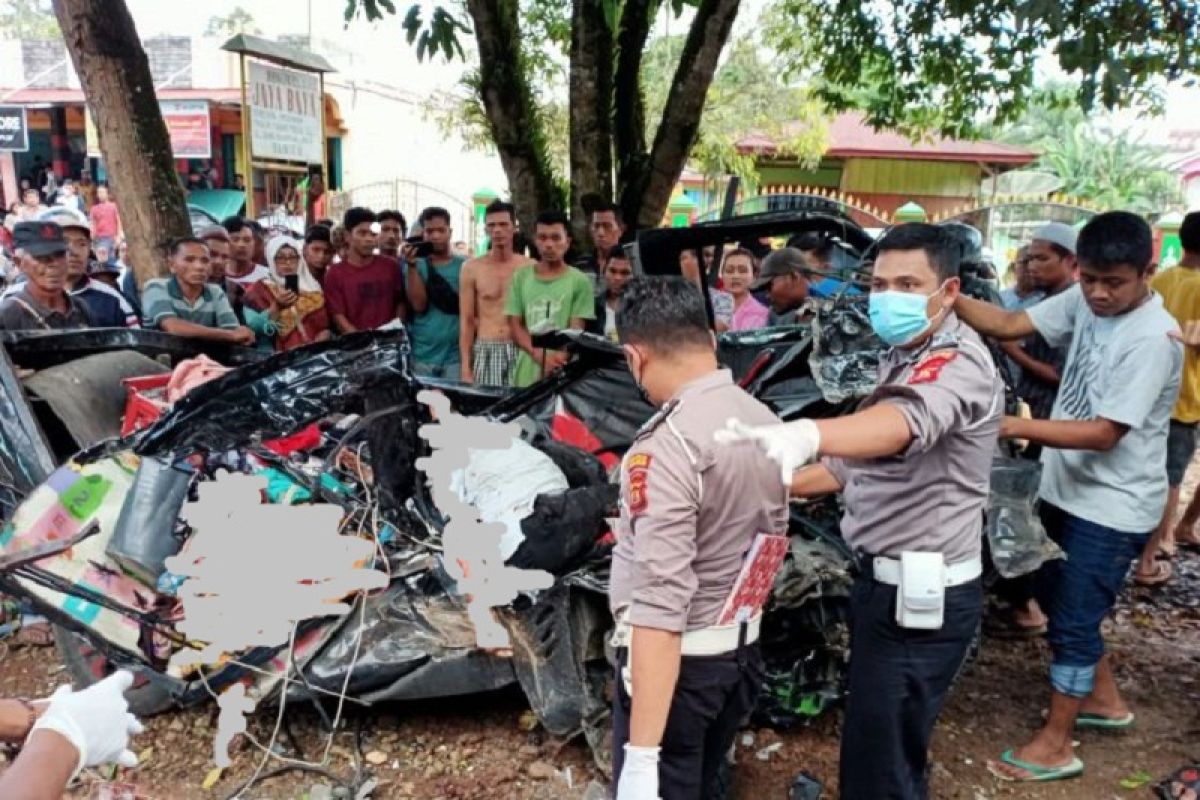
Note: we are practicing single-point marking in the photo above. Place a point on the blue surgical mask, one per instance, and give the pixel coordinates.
(899, 317)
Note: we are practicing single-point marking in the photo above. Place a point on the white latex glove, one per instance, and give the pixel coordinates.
(639, 774)
(96, 721)
(791, 445)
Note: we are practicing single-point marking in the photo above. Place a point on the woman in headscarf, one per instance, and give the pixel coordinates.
(289, 305)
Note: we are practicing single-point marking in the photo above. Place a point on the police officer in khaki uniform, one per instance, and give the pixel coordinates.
(690, 510)
(913, 465)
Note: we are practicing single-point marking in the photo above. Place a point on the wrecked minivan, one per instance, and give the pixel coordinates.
(90, 515)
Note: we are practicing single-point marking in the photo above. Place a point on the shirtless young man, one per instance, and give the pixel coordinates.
(485, 344)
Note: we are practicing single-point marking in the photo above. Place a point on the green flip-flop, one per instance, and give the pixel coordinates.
(1104, 723)
(1037, 773)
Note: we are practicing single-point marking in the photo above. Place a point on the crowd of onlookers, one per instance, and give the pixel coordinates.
(470, 319)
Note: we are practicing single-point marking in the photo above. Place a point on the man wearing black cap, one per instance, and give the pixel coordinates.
(42, 303)
(784, 274)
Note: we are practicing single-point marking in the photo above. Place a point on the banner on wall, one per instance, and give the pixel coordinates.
(285, 113)
(188, 126)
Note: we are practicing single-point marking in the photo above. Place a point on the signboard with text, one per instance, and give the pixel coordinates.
(188, 126)
(14, 129)
(285, 113)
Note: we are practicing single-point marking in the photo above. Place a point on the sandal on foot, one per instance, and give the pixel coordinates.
(1037, 773)
(1161, 574)
(1104, 723)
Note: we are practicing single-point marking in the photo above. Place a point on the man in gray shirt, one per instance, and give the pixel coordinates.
(1103, 484)
(913, 466)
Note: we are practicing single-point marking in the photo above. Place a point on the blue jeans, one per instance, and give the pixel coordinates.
(1078, 592)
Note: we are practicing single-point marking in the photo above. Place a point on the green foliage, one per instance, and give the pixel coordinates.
(239, 20)
(28, 19)
(746, 96)
(1096, 160)
(948, 66)
(1113, 168)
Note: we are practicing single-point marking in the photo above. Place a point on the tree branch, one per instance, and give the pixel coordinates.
(650, 190)
(629, 106)
(591, 86)
(511, 112)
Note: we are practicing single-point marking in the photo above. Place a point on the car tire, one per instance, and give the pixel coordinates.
(86, 665)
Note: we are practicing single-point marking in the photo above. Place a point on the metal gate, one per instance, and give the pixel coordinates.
(409, 198)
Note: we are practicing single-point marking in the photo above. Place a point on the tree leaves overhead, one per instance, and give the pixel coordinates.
(432, 35)
(747, 96)
(952, 65)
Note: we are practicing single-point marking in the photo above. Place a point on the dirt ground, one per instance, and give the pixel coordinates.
(490, 746)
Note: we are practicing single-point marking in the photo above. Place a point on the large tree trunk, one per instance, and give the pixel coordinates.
(590, 108)
(508, 101)
(649, 188)
(115, 74)
(629, 104)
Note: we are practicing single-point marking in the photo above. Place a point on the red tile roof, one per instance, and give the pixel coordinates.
(851, 137)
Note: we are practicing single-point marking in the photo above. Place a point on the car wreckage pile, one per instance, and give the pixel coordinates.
(86, 533)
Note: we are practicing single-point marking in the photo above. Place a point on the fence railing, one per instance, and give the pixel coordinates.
(409, 198)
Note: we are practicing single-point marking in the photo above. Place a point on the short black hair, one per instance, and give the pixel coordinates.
(235, 224)
(394, 216)
(607, 206)
(664, 314)
(1116, 239)
(940, 248)
(318, 233)
(177, 244)
(501, 207)
(357, 216)
(618, 252)
(1189, 233)
(434, 212)
(554, 218)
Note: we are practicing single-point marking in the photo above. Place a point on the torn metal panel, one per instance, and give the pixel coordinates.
(278, 396)
(25, 456)
(87, 395)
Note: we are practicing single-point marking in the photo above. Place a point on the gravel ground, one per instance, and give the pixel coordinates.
(491, 747)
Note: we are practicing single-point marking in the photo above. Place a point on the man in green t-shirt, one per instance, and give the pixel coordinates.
(546, 296)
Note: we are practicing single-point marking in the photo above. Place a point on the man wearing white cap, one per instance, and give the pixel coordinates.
(1050, 259)
(1052, 267)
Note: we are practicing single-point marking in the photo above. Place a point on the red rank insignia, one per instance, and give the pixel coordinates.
(638, 467)
(928, 370)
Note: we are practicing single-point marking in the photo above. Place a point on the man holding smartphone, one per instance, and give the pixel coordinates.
(432, 275)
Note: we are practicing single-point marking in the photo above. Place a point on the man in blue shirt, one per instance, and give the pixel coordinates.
(432, 285)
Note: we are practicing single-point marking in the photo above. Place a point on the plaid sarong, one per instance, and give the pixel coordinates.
(492, 362)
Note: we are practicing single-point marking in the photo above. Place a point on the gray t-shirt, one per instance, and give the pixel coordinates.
(1125, 369)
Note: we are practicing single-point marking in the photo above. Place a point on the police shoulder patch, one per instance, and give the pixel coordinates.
(930, 367)
(638, 469)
